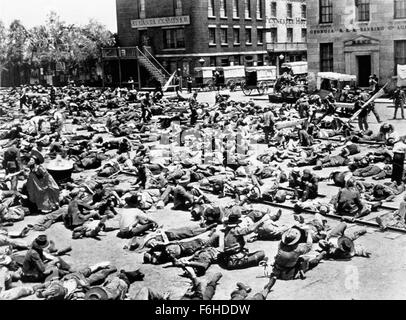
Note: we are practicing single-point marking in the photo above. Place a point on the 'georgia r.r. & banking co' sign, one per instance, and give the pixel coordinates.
(160, 22)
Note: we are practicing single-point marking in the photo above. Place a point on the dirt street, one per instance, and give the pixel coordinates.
(380, 277)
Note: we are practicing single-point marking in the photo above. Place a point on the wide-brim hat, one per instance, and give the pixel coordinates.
(346, 244)
(292, 236)
(5, 260)
(96, 293)
(41, 241)
(36, 154)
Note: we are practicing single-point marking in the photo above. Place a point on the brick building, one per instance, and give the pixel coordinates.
(184, 34)
(286, 34)
(359, 37)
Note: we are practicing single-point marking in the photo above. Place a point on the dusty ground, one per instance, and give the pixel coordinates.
(380, 277)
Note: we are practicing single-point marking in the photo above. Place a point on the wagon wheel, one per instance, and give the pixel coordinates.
(247, 91)
(210, 85)
(231, 85)
(262, 88)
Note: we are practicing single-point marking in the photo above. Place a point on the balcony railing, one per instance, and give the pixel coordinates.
(120, 52)
(286, 46)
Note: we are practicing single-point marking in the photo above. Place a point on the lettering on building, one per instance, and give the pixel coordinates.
(358, 29)
(160, 22)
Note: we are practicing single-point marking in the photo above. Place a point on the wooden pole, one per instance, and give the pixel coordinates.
(119, 67)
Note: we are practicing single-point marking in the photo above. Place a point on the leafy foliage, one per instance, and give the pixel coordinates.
(53, 43)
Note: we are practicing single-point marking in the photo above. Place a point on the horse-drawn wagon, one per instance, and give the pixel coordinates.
(208, 78)
(258, 78)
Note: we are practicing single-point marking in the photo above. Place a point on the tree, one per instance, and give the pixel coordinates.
(16, 43)
(3, 48)
(75, 46)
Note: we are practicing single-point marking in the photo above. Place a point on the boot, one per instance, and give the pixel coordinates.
(270, 284)
(277, 216)
(51, 247)
(242, 286)
(216, 277)
(379, 221)
(64, 251)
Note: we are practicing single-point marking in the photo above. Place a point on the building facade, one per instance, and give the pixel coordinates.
(359, 37)
(286, 26)
(184, 34)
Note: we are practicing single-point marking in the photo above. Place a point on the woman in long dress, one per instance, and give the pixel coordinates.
(43, 191)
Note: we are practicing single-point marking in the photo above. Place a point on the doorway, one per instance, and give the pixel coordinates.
(364, 70)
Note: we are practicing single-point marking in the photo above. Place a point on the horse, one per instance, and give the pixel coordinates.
(294, 91)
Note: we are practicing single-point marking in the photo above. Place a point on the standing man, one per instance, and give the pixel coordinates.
(23, 98)
(216, 75)
(372, 84)
(398, 162)
(193, 112)
(146, 108)
(399, 99)
(12, 166)
(365, 97)
(53, 95)
(131, 83)
(269, 124)
(363, 116)
(189, 83)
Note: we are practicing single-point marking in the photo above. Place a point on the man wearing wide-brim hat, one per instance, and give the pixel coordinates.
(234, 254)
(291, 260)
(341, 246)
(115, 287)
(6, 278)
(39, 266)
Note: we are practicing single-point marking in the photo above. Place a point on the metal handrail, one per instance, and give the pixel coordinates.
(157, 62)
(139, 51)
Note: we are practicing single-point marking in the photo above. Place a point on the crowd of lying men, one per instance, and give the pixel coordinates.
(192, 151)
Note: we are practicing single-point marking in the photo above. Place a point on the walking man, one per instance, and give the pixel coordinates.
(399, 99)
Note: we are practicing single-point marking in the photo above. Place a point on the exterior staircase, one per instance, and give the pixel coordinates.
(148, 61)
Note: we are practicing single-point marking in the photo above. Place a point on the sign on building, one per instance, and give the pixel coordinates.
(160, 22)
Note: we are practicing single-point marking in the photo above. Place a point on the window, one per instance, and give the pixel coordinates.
(326, 57)
(260, 13)
(237, 60)
(236, 35)
(400, 9)
(178, 7)
(260, 61)
(273, 9)
(274, 35)
(400, 53)
(326, 11)
(260, 36)
(213, 61)
(174, 38)
(362, 10)
(248, 36)
(224, 36)
(211, 8)
(236, 9)
(304, 13)
(289, 35)
(247, 8)
(225, 62)
(289, 13)
(141, 8)
(304, 35)
(212, 35)
(223, 8)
